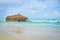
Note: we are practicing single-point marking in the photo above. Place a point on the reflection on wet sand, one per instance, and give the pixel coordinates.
(15, 30)
(28, 32)
(11, 37)
(14, 38)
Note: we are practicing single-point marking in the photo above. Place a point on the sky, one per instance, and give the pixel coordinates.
(33, 9)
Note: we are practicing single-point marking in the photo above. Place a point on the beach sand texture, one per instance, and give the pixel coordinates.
(28, 32)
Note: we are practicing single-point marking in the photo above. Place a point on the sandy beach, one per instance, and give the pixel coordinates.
(29, 32)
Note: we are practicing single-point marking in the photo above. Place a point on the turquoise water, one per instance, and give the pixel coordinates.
(33, 30)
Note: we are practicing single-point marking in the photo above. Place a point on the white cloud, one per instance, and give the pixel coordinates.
(56, 13)
(11, 1)
(33, 11)
(19, 2)
(3, 0)
(24, 10)
(31, 5)
(6, 1)
(45, 15)
(44, 6)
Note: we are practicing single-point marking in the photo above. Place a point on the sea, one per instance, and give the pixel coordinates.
(30, 30)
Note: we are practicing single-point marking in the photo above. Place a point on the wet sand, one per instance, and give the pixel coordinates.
(11, 32)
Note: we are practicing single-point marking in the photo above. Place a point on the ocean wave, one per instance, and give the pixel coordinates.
(44, 20)
(40, 21)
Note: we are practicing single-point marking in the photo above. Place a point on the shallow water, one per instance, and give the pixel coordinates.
(29, 31)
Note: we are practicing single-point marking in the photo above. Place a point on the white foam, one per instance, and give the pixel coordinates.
(44, 20)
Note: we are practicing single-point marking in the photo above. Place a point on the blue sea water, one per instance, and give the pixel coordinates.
(31, 30)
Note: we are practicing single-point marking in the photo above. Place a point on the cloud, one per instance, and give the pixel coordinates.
(33, 11)
(31, 5)
(19, 2)
(41, 0)
(6, 1)
(45, 15)
(44, 6)
(24, 10)
(56, 13)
